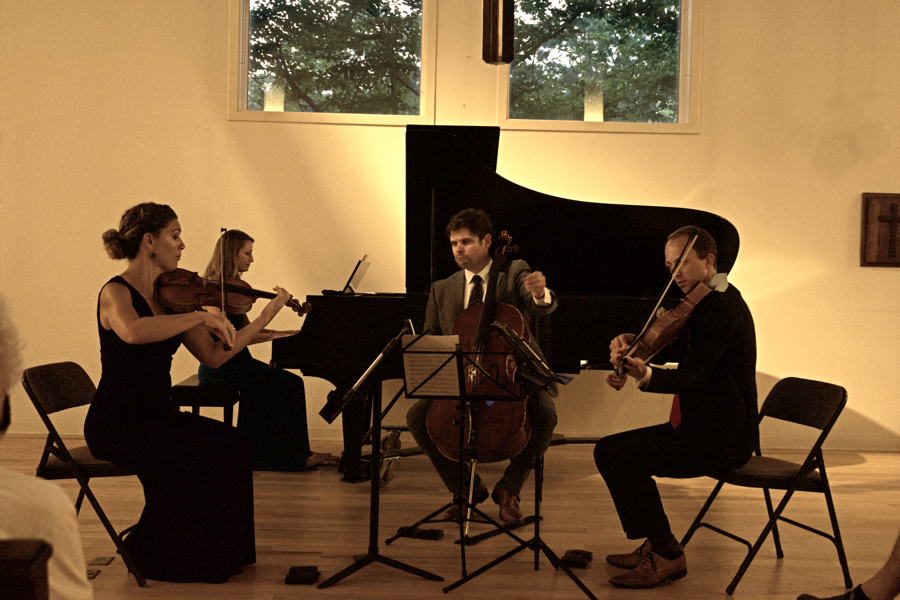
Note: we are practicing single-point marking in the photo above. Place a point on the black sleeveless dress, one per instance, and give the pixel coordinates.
(197, 523)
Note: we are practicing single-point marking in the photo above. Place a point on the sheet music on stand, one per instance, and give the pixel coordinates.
(430, 367)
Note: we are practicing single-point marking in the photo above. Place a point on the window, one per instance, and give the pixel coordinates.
(618, 65)
(580, 65)
(358, 61)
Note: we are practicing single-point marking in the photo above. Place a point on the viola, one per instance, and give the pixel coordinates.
(494, 430)
(663, 326)
(185, 291)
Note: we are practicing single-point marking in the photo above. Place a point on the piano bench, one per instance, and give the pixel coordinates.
(190, 393)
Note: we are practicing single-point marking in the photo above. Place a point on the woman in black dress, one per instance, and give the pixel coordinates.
(273, 401)
(197, 523)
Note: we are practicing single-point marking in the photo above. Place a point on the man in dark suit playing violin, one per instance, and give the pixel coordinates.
(470, 233)
(713, 424)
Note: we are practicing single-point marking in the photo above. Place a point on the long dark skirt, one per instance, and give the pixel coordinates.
(197, 523)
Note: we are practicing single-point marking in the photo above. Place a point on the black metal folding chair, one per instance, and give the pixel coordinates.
(56, 387)
(811, 403)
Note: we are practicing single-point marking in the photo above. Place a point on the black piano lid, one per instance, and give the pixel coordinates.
(584, 248)
(604, 261)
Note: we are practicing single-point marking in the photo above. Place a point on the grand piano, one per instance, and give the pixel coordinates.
(604, 262)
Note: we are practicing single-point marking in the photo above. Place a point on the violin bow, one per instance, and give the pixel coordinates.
(226, 347)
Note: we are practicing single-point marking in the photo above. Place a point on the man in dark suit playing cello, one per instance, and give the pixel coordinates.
(713, 424)
(470, 233)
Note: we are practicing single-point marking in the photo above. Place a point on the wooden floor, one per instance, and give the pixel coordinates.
(313, 518)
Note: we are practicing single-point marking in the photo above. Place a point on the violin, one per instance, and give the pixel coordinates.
(185, 291)
(494, 430)
(663, 326)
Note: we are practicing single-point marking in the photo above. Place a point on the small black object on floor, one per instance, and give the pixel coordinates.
(302, 576)
(577, 558)
(421, 534)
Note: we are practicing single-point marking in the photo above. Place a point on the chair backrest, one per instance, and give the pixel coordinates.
(805, 402)
(58, 386)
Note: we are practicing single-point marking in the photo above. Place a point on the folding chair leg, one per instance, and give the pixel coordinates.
(696, 524)
(79, 500)
(126, 556)
(776, 537)
(838, 542)
(759, 542)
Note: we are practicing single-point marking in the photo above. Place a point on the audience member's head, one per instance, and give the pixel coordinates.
(10, 362)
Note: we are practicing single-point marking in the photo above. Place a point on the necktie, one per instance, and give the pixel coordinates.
(477, 295)
(675, 413)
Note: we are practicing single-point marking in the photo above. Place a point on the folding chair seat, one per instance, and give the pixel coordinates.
(56, 387)
(813, 404)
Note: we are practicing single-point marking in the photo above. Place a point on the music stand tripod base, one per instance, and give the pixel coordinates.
(375, 464)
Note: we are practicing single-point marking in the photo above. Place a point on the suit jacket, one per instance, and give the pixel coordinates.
(716, 380)
(445, 301)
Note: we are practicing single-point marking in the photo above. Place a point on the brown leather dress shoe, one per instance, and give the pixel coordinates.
(630, 560)
(510, 513)
(479, 495)
(654, 570)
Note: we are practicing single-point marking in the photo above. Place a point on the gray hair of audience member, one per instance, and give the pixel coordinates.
(10, 362)
(10, 352)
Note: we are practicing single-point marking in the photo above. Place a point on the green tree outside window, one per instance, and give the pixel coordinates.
(613, 60)
(335, 56)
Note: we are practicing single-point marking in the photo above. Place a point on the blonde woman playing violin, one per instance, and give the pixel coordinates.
(272, 410)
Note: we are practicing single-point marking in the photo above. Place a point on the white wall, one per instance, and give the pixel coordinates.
(104, 104)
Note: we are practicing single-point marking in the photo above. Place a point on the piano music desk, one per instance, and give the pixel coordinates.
(190, 393)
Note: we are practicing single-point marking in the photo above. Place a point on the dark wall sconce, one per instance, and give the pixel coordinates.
(497, 45)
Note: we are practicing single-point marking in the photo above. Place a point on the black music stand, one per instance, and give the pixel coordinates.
(442, 377)
(365, 384)
(537, 371)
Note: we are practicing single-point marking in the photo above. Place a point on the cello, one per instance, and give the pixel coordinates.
(494, 420)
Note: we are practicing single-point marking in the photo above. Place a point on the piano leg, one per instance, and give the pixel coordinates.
(355, 422)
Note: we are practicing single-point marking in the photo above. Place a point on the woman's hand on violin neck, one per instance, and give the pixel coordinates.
(274, 305)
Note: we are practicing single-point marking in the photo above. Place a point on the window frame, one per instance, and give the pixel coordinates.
(237, 78)
(690, 59)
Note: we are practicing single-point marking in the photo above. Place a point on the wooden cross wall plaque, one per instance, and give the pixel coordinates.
(880, 245)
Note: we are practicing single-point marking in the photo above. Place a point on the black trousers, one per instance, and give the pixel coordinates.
(629, 461)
